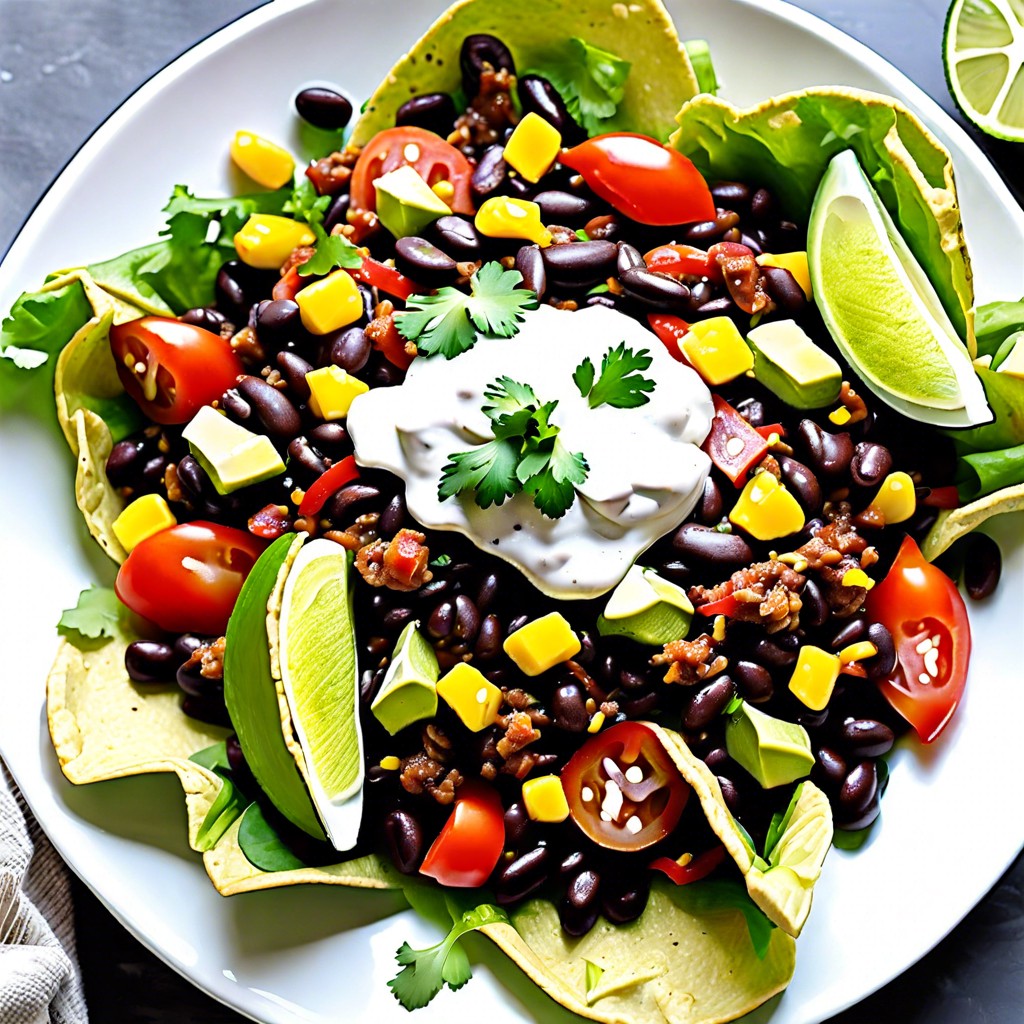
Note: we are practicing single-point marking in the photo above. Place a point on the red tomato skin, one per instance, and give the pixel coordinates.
(199, 364)
(467, 850)
(643, 179)
(384, 278)
(700, 867)
(726, 425)
(679, 261)
(156, 582)
(435, 160)
(917, 601)
(326, 484)
(670, 331)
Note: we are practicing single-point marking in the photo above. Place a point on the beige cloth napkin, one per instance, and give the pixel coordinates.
(39, 979)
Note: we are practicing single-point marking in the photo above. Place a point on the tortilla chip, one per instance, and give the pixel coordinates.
(953, 524)
(640, 32)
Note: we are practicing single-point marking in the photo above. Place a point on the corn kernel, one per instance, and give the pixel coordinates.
(718, 633)
(841, 416)
(542, 644)
(330, 303)
(766, 510)
(794, 262)
(532, 147)
(265, 162)
(895, 498)
(141, 519)
(595, 723)
(390, 763)
(504, 217)
(857, 578)
(332, 391)
(471, 696)
(857, 652)
(297, 495)
(814, 676)
(716, 350)
(544, 799)
(265, 241)
(444, 190)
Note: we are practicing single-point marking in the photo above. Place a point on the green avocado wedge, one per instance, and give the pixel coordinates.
(251, 695)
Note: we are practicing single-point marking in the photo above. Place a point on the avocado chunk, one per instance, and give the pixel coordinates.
(789, 364)
(773, 751)
(646, 608)
(409, 691)
(232, 456)
(406, 204)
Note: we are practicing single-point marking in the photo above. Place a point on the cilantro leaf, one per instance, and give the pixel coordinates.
(552, 488)
(619, 385)
(449, 322)
(591, 81)
(332, 251)
(489, 469)
(97, 614)
(426, 971)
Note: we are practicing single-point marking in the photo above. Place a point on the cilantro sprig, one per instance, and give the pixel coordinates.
(591, 81)
(332, 251)
(449, 322)
(526, 455)
(620, 383)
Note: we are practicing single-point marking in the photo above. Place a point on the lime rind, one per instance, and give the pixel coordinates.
(933, 380)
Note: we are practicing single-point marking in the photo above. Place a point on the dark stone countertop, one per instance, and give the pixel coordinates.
(64, 66)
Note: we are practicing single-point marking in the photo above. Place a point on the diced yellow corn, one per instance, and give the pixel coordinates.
(390, 763)
(841, 416)
(718, 633)
(504, 217)
(532, 147)
(896, 499)
(766, 510)
(332, 390)
(544, 799)
(265, 241)
(814, 677)
(471, 696)
(716, 350)
(857, 578)
(444, 190)
(857, 652)
(596, 722)
(330, 303)
(794, 262)
(264, 161)
(542, 644)
(141, 519)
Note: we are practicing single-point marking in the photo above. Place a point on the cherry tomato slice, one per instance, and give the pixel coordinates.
(670, 331)
(186, 578)
(683, 874)
(643, 179)
(468, 848)
(624, 774)
(679, 261)
(922, 609)
(172, 369)
(326, 484)
(433, 158)
(733, 444)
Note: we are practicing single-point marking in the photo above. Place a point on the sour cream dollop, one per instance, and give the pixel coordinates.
(646, 473)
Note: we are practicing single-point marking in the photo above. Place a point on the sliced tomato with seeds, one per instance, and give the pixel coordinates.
(733, 444)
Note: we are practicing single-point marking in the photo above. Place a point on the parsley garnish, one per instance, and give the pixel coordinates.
(526, 455)
(97, 614)
(332, 251)
(447, 323)
(592, 82)
(619, 384)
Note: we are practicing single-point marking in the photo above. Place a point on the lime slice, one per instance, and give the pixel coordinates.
(983, 50)
(880, 307)
(320, 678)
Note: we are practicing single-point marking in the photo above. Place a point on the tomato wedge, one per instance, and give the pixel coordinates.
(733, 444)
(922, 609)
(385, 278)
(468, 848)
(670, 331)
(679, 261)
(326, 484)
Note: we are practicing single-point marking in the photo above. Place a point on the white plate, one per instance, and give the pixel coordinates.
(320, 953)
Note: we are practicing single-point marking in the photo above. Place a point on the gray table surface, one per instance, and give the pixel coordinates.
(65, 65)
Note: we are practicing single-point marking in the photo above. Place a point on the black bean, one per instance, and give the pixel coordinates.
(530, 263)
(605, 226)
(709, 547)
(849, 633)
(774, 653)
(517, 623)
(337, 211)
(237, 286)
(712, 505)
(397, 618)
(762, 204)
(154, 468)
(193, 682)
(717, 758)
(752, 410)
(624, 896)
(350, 349)
(654, 290)
(538, 96)
(859, 788)
(294, 369)
(477, 54)
(983, 565)
(804, 484)
(206, 709)
(235, 406)
(730, 793)
(457, 237)
(755, 245)
(184, 646)
(700, 294)
(433, 111)
(271, 407)
(568, 708)
(369, 301)
(277, 320)
(517, 825)
(467, 619)
(881, 664)
(811, 719)
(236, 757)
(559, 207)
(572, 863)
(331, 439)
(192, 477)
(852, 822)
(404, 837)
(435, 588)
(602, 299)
(829, 454)
(702, 232)
(393, 516)
(579, 909)
(708, 703)
(209, 319)
(442, 620)
(730, 194)
(783, 287)
(641, 707)
(341, 507)
(302, 454)
(753, 681)
(424, 262)
(815, 611)
(870, 464)
(124, 461)
(722, 306)
(489, 174)
(487, 592)
(830, 768)
(323, 108)
(522, 875)
(579, 264)
(867, 737)
(149, 661)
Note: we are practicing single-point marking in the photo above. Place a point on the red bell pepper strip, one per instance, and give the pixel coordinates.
(327, 484)
(385, 278)
(723, 606)
(768, 429)
(670, 331)
(942, 497)
(289, 285)
(733, 444)
(678, 261)
(701, 866)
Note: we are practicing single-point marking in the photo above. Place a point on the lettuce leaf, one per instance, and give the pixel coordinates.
(591, 82)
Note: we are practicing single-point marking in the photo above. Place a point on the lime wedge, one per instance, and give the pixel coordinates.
(983, 50)
(320, 678)
(880, 307)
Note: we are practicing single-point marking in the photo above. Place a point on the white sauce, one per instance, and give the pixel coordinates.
(646, 473)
